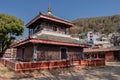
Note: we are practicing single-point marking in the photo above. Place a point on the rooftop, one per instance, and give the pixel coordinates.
(49, 17)
(54, 40)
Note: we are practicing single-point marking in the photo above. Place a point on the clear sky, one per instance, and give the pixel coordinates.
(66, 9)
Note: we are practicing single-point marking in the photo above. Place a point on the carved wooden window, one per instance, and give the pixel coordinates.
(54, 28)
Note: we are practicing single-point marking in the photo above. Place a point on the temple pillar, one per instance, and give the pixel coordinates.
(97, 55)
(29, 33)
(90, 56)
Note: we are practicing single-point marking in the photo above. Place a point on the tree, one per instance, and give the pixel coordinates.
(10, 27)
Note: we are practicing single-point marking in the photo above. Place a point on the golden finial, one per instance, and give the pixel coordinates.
(49, 10)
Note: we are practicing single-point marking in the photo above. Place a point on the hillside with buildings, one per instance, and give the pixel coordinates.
(98, 31)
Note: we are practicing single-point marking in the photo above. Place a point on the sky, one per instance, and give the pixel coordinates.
(66, 9)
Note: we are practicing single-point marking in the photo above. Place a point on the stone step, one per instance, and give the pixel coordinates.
(112, 63)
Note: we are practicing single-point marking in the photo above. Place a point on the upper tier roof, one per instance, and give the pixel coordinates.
(51, 18)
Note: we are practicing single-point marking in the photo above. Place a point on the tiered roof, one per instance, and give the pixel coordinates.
(51, 39)
(49, 17)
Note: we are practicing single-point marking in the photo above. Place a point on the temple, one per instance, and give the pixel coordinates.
(49, 39)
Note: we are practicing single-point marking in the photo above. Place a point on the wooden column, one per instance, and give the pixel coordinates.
(90, 55)
(29, 33)
(97, 55)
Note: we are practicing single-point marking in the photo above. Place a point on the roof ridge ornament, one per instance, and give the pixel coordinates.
(49, 11)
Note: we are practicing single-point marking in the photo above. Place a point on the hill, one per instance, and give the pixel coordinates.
(104, 24)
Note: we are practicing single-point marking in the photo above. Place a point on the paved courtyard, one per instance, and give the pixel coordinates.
(91, 73)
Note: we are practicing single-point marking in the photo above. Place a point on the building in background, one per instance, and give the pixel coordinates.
(98, 40)
(10, 53)
(114, 39)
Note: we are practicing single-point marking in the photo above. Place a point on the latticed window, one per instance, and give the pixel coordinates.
(37, 28)
(94, 56)
(42, 56)
(101, 55)
(54, 28)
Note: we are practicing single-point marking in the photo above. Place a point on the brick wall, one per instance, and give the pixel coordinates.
(48, 52)
(109, 56)
(19, 53)
(28, 53)
(52, 52)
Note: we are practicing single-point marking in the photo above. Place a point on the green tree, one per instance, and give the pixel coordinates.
(10, 27)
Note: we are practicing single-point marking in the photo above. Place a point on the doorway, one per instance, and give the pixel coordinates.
(116, 56)
(63, 53)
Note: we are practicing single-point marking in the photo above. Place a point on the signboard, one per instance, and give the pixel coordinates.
(35, 53)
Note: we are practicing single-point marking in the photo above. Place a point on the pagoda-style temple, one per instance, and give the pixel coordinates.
(49, 39)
